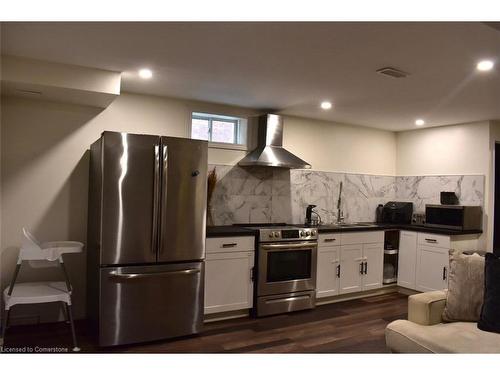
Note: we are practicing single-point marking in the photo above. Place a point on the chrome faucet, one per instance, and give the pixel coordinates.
(340, 214)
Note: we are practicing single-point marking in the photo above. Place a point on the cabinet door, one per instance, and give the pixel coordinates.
(407, 259)
(351, 257)
(373, 255)
(228, 281)
(432, 268)
(327, 281)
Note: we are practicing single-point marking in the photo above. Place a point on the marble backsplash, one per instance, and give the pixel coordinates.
(266, 195)
(422, 190)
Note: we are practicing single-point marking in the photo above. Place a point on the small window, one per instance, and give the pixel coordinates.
(219, 130)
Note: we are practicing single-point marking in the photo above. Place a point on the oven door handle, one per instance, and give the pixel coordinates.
(302, 245)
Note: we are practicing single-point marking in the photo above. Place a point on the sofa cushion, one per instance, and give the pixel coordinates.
(403, 336)
(490, 313)
(465, 288)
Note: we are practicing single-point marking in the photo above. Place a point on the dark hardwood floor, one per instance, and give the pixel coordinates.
(355, 326)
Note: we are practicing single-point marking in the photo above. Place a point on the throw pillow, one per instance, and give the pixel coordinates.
(465, 288)
(490, 313)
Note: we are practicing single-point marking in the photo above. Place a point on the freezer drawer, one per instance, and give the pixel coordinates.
(145, 303)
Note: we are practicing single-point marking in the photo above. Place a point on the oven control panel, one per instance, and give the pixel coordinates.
(288, 234)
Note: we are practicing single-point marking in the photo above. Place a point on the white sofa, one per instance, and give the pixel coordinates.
(424, 332)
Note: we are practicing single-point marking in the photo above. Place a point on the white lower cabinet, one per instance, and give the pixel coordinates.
(351, 257)
(432, 268)
(423, 261)
(354, 266)
(228, 280)
(328, 271)
(407, 259)
(373, 272)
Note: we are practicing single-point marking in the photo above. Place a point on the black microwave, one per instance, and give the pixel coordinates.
(453, 217)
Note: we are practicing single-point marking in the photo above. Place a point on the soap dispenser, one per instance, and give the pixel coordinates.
(379, 213)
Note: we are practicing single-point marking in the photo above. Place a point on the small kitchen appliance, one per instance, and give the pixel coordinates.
(448, 197)
(397, 212)
(418, 218)
(453, 217)
(379, 212)
(312, 217)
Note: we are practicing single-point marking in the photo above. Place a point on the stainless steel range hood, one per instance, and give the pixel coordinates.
(270, 151)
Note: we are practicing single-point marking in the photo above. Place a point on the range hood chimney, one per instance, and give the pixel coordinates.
(270, 151)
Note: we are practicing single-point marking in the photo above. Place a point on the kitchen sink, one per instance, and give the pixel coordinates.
(354, 225)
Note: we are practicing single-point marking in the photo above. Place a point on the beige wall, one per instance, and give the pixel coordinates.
(44, 164)
(341, 148)
(455, 149)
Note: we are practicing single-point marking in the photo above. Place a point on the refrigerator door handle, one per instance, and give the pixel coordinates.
(164, 181)
(134, 276)
(156, 192)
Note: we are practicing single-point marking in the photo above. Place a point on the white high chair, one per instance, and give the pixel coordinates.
(41, 292)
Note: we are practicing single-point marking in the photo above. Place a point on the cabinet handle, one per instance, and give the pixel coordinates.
(445, 273)
(252, 273)
(366, 268)
(361, 267)
(338, 271)
(431, 240)
(330, 239)
(225, 245)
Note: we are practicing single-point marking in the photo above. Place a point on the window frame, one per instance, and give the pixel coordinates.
(238, 125)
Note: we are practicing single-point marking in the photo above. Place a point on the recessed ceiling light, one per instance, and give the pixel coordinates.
(419, 122)
(485, 65)
(145, 73)
(326, 105)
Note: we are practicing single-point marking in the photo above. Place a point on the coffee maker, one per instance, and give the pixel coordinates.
(397, 212)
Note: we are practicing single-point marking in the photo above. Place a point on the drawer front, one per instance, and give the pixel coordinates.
(328, 239)
(362, 237)
(230, 244)
(434, 240)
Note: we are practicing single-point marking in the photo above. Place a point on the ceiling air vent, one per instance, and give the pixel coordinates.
(393, 72)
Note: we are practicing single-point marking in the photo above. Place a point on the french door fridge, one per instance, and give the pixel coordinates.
(146, 237)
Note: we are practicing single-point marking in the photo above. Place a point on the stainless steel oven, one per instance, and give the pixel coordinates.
(286, 267)
(286, 270)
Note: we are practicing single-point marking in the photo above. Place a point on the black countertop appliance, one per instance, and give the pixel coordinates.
(397, 212)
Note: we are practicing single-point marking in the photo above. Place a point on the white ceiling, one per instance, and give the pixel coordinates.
(290, 67)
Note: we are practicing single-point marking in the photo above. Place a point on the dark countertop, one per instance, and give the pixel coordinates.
(409, 227)
(233, 231)
(229, 231)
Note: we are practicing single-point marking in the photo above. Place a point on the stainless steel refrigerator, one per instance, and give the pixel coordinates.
(146, 237)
